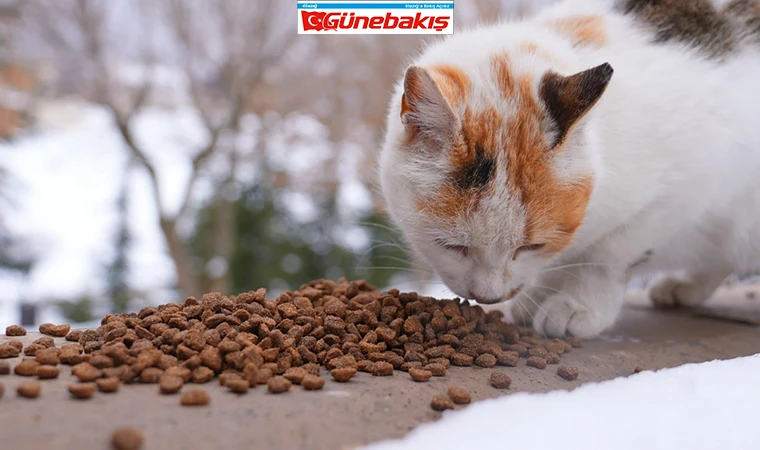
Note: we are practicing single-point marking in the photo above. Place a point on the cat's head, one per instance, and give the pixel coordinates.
(489, 172)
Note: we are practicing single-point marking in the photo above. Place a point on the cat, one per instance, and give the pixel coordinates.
(545, 162)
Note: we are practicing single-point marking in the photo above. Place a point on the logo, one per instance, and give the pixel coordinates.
(370, 17)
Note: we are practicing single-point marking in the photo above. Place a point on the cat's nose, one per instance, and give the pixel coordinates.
(485, 300)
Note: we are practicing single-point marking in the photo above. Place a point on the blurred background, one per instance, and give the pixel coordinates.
(155, 149)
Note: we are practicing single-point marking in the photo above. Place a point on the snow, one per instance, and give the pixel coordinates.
(696, 406)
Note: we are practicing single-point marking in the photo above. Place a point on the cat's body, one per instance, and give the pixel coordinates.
(513, 178)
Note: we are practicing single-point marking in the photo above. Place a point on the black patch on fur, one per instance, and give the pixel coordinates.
(567, 99)
(698, 24)
(478, 173)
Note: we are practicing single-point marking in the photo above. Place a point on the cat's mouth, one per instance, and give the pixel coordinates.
(512, 293)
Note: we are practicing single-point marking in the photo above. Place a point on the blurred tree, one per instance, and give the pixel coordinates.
(77, 310)
(117, 271)
(274, 250)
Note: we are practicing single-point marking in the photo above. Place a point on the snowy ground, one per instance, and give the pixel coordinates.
(697, 406)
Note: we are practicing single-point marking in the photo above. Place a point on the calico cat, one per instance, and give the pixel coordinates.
(547, 161)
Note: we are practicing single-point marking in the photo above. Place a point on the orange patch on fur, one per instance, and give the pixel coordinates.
(583, 30)
(502, 74)
(453, 83)
(404, 105)
(554, 209)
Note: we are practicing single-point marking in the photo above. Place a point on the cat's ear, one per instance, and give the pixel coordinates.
(424, 109)
(568, 99)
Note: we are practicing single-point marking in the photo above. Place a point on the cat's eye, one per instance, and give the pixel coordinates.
(461, 249)
(527, 248)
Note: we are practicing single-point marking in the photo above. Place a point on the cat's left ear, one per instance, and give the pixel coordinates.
(568, 99)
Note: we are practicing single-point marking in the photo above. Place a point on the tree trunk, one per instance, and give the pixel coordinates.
(186, 280)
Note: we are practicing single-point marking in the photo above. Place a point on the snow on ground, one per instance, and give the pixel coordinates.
(697, 406)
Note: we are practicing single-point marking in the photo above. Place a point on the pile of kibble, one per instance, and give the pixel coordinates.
(248, 340)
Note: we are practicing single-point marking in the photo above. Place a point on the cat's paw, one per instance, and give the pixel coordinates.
(560, 315)
(673, 292)
(521, 311)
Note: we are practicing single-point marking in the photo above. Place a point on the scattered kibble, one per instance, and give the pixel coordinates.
(127, 438)
(5, 368)
(195, 397)
(82, 390)
(108, 385)
(312, 382)
(459, 395)
(170, 384)
(31, 389)
(26, 368)
(48, 372)
(441, 402)
(382, 369)
(569, 373)
(10, 350)
(278, 385)
(55, 330)
(500, 380)
(420, 375)
(15, 330)
(537, 362)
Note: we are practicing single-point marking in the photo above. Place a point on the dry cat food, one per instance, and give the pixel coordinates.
(343, 374)
(278, 385)
(313, 382)
(537, 362)
(195, 397)
(249, 340)
(108, 385)
(55, 330)
(500, 380)
(29, 390)
(638, 369)
(441, 402)
(5, 368)
(459, 395)
(420, 374)
(569, 373)
(48, 372)
(127, 438)
(15, 330)
(82, 390)
(2, 390)
(10, 349)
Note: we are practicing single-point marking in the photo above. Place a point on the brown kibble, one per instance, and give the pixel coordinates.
(183, 372)
(127, 438)
(202, 375)
(48, 357)
(485, 360)
(82, 390)
(382, 369)
(538, 351)
(460, 359)
(639, 369)
(15, 330)
(195, 397)
(86, 372)
(29, 390)
(295, 374)
(441, 402)
(5, 368)
(537, 362)
(55, 330)
(238, 386)
(27, 368)
(170, 384)
(343, 374)
(436, 369)
(574, 341)
(312, 382)
(552, 358)
(500, 380)
(263, 375)
(278, 385)
(151, 375)
(2, 390)
(421, 375)
(108, 385)
(74, 335)
(459, 395)
(10, 350)
(569, 373)
(48, 372)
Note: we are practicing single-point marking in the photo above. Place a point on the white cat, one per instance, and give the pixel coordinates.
(547, 161)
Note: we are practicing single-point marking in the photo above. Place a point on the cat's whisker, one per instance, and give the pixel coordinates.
(567, 266)
(540, 308)
(406, 269)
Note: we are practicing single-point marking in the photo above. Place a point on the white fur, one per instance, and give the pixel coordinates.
(674, 148)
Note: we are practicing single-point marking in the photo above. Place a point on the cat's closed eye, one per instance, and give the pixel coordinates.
(461, 249)
(527, 248)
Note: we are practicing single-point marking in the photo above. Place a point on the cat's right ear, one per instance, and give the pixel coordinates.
(425, 112)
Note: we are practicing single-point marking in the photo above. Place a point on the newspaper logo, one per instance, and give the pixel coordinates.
(372, 17)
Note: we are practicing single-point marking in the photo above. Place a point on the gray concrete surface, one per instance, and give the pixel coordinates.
(364, 410)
